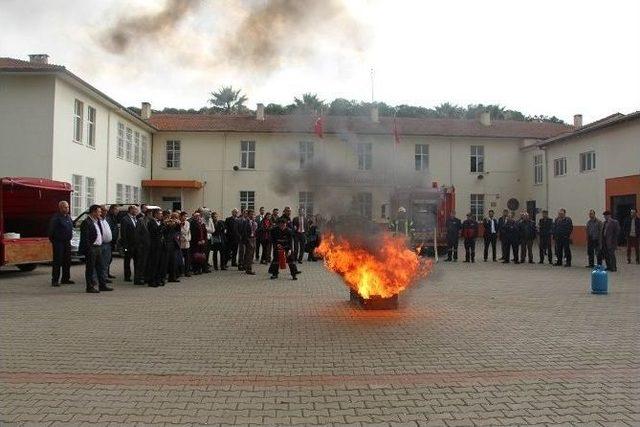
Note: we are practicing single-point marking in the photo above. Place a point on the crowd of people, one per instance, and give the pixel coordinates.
(517, 235)
(160, 246)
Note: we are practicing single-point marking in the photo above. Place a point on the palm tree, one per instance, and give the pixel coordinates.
(309, 103)
(449, 111)
(229, 100)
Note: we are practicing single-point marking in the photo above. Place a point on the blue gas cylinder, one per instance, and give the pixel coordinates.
(599, 280)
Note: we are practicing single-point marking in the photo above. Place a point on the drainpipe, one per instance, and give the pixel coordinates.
(107, 199)
(150, 163)
(223, 170)
(546, 177)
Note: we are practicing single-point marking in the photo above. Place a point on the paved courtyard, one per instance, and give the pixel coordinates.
(475, 344)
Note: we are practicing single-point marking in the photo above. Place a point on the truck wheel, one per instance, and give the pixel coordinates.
(27, 267)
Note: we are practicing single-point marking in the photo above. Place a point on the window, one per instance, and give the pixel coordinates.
(136, 195)
(143, 151)
(78, 117)
(127, 194)
(120, 140)
(383, 211)
(91, 127)
(364, 204)
(422, 157)
(537, 169)
(136, 148)
(248, 154)
(129, 145)
(306, 153)
(363, 150)
(247, 200)
(90, 191)
(78, 195)
(560, 166)
(476, 207)
(587, 161)
(305, 201)
(119, 194)
(173, 154)
(477, 158)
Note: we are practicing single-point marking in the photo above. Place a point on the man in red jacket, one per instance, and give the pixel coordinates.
(469, 234)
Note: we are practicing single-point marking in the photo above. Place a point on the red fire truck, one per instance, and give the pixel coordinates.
(26, 206)
(427, 210)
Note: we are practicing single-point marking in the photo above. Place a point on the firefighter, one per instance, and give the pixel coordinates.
(511, 233)
(454, 226)
(545, 228)
(401, 225)
(282, 240)
(469, 233)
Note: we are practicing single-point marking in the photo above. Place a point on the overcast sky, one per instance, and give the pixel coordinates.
(540, 56)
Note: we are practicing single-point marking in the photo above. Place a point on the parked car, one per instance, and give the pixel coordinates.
(75, 240)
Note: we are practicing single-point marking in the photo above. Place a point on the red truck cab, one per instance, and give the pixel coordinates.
(26, 207)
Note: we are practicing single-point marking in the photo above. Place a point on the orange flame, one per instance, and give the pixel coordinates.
(384, 273)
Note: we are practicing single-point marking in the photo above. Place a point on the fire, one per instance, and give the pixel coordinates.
(383, 272)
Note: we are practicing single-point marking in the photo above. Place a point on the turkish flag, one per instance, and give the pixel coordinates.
(396, 132)
(319, 127)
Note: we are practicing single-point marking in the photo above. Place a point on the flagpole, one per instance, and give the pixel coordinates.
(395, 149)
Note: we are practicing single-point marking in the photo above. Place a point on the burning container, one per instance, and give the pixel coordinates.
(374, 302)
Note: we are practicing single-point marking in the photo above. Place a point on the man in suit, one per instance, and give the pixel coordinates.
(469, 234)
(248, 232)
(632, 234)
(242, 219)
(453, 226)
(562, 229)
(528, 233)
(60, 234)
(299, 235)
(232, 237)
(510, 232)
(90, 243)
(128, 225)
(545, 230)
(503, 241)
(594, 235)
(143, 248)
(154, 276)
(258, 219)
(609, 241)
(490, 235)
(106, 248)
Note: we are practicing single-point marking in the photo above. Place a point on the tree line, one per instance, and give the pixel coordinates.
(228, 100)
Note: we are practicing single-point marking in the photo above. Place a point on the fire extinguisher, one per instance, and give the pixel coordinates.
(282, 258)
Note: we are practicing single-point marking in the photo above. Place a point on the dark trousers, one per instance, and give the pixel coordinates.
(593, 250)
(470, 250)
(241, 250)
(511, 245)
(563, 250)
(218, 248)
(249, 248)
(129, 255)
(186, 263)
(545, 249)
(154, 273)
(141, 262)
(61, 261)
(504, 248)
(490, 239)
(291, 262)
(610, 258)
(207, 251)
(93, 267)
(258, 245)
(105, 257)
(171, 262)
(299, 242)
(266, 251)
(452, 248)
(526, 250)
(232, 252)
(633, 242)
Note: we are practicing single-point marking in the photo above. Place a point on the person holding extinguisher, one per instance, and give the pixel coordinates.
(282, 241)
(469, 234)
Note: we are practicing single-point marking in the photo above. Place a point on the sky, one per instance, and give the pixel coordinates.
(540, 57)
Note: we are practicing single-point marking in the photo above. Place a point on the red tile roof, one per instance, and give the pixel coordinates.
(358, 125)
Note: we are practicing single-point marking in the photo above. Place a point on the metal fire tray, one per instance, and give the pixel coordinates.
(375, 302)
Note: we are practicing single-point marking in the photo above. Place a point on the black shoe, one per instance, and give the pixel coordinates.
(294, 278)
(558, 264)
(448, 260)
(67, 282)
(92, 291)
(588, 266)
(223, 268)
(516, 262)
(127, 280)
(540, 262)
(273, 277)
(111, 276)
(55, 284)
(485, 260)
(505, 261)
(108, 281)
(215, 268)
(299, 261)
(153, 285)
(105, 288)
(531, 262)
(466, 260)
(252, 273)
(174, 281)
(567, 265)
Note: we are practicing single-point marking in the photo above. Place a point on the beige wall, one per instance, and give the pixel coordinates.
(26, 125)
(210, 157)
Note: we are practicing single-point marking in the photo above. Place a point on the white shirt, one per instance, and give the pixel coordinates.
(98, 240)
(301, 227)
(493, 225)
(133, 220)
(632, 230)
(211, 228)
(106, 231)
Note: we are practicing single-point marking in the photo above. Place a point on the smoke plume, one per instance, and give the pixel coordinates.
(119, 38)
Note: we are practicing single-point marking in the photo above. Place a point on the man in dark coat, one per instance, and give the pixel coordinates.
(90, 243)
(594, 239)
(128, 225)
(300, 229)
(545, 230)
(218, 243)
(60, 234)
(631, 230)
(232, 237)
(248, 234)
(490, 235)
(198, 243)
(511, 233)
(143, 249)
(454, 226)
(469, 234)
(609, 241)
(562, 229)
(258, 219)
(154, 277)
(528, 231)
(501, 222)
(282, 239)
(112, 219)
